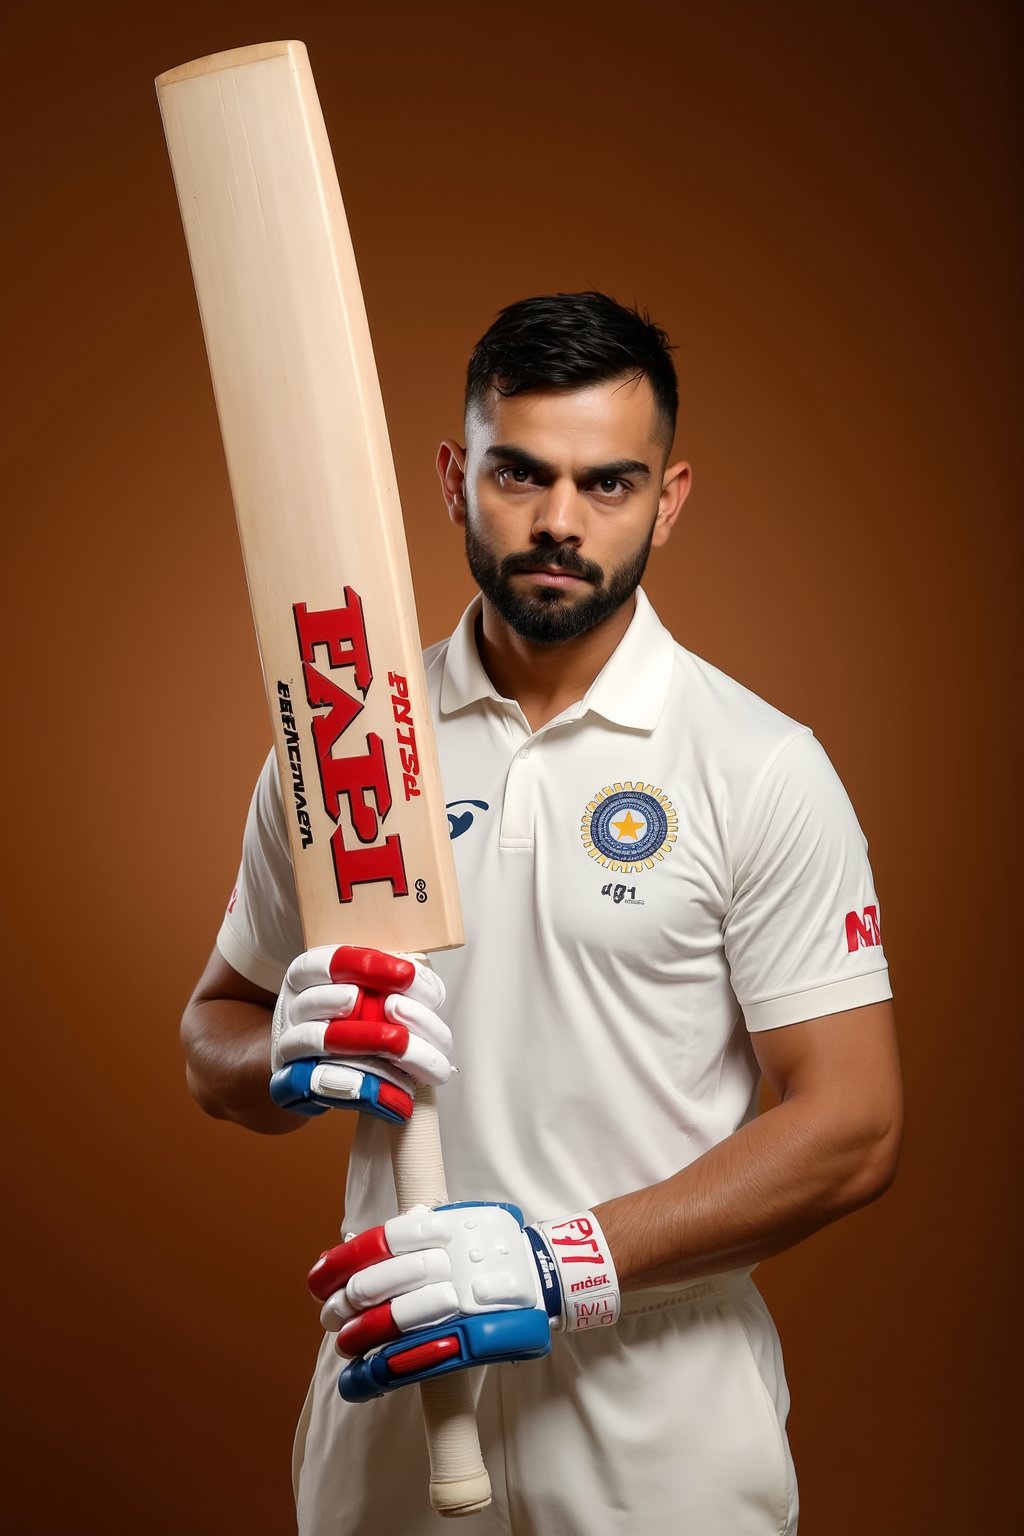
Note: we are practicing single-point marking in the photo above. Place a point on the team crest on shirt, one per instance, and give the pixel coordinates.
(629, 827)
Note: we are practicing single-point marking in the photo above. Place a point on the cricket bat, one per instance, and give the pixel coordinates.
(313, 483)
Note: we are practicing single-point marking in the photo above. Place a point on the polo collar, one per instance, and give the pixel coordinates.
(464, 680)
(629, 690)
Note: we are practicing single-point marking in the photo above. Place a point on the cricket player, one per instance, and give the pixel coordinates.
(667, 897)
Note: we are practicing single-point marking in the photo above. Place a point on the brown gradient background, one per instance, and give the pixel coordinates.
(821, 203)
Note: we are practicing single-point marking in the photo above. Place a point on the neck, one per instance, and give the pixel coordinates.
(545, 679)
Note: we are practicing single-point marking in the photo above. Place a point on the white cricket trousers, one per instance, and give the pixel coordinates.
(672, 1423)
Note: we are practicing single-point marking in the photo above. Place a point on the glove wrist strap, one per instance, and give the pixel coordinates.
(578, 1253)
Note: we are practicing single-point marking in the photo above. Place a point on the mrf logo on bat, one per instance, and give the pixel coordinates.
(355, 786)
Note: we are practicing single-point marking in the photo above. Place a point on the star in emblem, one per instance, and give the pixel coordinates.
(627, 827)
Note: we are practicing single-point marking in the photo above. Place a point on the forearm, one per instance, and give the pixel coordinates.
(227, 1048)
(768, 1186)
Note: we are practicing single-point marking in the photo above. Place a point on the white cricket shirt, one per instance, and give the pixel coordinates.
(665, 866)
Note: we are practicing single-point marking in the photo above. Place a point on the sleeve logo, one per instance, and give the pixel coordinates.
(629, 827)
(862, 929)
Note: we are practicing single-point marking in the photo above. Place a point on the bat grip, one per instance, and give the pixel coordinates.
(459, 1484)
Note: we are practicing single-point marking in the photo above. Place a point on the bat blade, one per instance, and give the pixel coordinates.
(316, 498)
(313, 483)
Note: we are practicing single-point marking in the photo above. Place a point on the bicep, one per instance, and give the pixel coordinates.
(844, 1069)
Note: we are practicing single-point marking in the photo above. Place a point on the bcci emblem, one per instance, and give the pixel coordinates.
(627, 827)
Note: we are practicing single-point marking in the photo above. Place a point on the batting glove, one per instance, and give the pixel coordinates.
(435, 1291)
(356, 1029)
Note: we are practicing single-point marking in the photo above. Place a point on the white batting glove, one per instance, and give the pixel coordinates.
(452, 1287)
(357, 1028)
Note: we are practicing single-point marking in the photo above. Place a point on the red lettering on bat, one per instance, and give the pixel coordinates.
(401, 708)
(343, 631)
(357, 777)
(323, 694)
(367, 866)
(360, 779)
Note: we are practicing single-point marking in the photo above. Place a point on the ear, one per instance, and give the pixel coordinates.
(451, 471)
(675, 487)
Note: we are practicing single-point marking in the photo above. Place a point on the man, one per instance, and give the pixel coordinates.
(667, 895)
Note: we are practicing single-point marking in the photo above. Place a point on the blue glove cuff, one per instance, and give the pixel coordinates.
(550, 1283)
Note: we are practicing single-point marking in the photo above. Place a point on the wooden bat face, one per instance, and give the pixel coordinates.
(316, 499)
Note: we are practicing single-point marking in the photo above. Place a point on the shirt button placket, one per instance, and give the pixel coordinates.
(517, 811)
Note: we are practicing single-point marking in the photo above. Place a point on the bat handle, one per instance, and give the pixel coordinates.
(459, 1484)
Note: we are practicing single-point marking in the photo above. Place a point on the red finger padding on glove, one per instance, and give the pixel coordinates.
(371, 968)
(373, 1327)
(375, 974)
(336, 1267)
(394, 1099)
(365, 1035)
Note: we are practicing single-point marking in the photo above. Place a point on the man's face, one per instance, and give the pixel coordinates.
(562, 495)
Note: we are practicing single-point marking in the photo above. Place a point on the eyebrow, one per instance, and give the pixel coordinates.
(615, 469)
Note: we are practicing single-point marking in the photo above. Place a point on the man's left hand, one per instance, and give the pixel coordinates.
(434, 1291)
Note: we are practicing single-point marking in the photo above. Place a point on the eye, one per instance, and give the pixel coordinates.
(612, 488)
(514, 474)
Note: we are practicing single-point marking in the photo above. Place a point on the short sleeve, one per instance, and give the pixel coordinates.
(803, 931)
(261, 933)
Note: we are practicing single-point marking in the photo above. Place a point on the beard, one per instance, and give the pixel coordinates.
(550, 615)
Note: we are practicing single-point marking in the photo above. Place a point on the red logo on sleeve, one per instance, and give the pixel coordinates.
(862, 929)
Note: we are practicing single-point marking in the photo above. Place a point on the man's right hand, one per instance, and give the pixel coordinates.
(356, 1029)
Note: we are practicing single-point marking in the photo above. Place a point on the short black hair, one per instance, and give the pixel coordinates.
(569, 340)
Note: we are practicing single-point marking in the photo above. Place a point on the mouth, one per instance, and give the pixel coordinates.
(551, 576)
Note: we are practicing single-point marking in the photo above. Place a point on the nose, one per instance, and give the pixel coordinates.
(559, 514)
